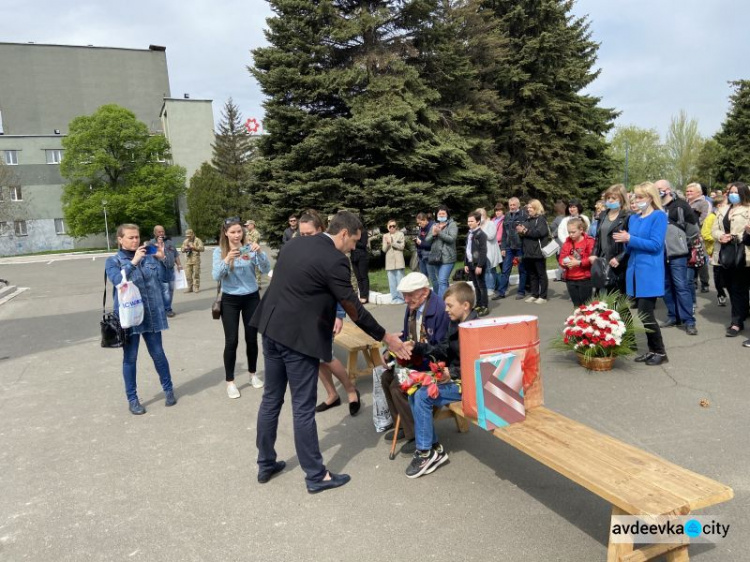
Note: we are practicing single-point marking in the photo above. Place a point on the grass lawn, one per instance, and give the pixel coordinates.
(379, 278)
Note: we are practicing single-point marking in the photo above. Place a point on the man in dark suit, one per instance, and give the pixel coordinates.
(296, 317)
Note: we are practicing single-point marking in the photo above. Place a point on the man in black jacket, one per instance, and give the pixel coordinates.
(296, 317)
(679, 292)
(510, 248)
(476, 261)
(361, 264)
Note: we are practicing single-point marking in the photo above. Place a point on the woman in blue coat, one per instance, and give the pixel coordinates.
(644, 278)
(142, 270)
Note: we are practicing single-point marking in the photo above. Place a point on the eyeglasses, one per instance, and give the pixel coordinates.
(391, 226)
(232, 220)
(292, 220)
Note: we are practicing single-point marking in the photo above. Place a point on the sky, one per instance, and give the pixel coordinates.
(656, 57)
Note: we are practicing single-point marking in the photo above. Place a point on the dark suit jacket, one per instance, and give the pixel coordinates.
(435, 321)
(299, 307)
(478, 250)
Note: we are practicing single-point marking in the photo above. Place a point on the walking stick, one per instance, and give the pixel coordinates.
(392, 454)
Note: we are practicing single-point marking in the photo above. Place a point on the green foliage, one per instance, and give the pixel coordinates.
(707, 166)
(683, 146)
(549, 138)
(646, 156)
(734, 137)
(110, 156)
(207, 202)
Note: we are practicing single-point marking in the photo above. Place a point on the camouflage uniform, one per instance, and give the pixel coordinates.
(192, 250)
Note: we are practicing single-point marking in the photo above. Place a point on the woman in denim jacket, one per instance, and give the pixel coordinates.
(143, 271)
(234, 266)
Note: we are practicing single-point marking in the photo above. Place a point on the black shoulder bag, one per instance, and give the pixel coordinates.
(113, 335)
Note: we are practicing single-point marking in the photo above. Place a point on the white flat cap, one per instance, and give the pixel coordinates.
(413, 282)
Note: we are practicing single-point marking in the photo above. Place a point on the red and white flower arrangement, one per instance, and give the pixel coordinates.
(593, 325)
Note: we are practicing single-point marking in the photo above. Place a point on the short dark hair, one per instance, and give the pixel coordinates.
(477, 216)
(421, 216)
(344, 220)
(462, 292)
(499, 206)
(574, 203)
(311, 215)
(292, 217)
(443, 208)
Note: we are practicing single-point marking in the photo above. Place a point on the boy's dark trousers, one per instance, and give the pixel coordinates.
(480, 286)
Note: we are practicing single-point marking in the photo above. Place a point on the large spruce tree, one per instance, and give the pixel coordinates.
(733, 158)
(549, 136)
(351, 124)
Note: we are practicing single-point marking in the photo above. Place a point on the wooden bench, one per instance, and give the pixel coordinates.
(355, 341)
(633, 481)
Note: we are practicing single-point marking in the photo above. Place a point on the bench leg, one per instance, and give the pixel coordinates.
(462, 424)
(678, 555)
(616, 551)
(351, 365)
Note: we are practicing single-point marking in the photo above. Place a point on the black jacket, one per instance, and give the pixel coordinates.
(447, 349)
(511, 240)
(299, 307)
(617, 249)
(535, 237)
(360, 250)
(478, 250)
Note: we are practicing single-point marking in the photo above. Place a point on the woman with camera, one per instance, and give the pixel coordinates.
(141, 265)
(234, 267)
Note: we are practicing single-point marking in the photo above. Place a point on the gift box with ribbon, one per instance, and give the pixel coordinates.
(499, 390)
(486, 337)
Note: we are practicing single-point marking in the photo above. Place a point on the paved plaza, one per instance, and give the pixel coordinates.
(83, 479)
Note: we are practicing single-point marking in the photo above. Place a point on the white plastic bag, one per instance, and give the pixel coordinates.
(180, 280)
(131, 304)
(381, 415)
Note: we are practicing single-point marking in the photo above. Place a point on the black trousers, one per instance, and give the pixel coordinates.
(703, 275)
(361, 269)
(579, 291)
(536, 269)
(738, 284)
(232, 307)
(719, 282)
(284, 366)
(480, 287)
(398, 403)
(646, 307)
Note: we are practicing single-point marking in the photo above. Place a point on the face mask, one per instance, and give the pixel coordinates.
(615, 205)
(642, 205)
(662, 194)
(734, 198)
(442, 219)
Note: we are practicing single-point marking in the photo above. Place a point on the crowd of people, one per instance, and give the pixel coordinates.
(649, 244)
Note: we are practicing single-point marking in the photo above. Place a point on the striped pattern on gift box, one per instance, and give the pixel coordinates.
(499, 391)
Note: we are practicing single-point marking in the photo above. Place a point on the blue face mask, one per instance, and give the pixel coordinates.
(734, 198)
(442, 219)
(615, 205)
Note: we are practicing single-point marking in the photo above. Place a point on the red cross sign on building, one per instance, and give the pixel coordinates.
(253, 126)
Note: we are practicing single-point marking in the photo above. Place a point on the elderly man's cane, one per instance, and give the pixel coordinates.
(392, 454)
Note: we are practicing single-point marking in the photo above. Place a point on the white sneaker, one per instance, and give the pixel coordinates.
(232, 390)
(256, 381)
(540, 301)
(530, 299)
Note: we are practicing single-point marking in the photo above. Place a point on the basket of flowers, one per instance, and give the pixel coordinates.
(599, 332)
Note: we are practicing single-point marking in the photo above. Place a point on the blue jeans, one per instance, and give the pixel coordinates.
(394, 278)
(130, 358)
(678, 292)
(506, 269)
(444, 278)
(431, 271)
(489, 278)
(166, 294)
(421, 407)
(284, 366)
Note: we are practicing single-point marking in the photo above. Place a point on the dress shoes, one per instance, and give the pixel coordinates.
(657, 359)
(669, 323)
(265, 475)
(323, 406)
(389, 435)
(733, 332)
(135, 408)
(645, 357)
(691, 330)
(336, 481)
(355, 406)
(169, 398)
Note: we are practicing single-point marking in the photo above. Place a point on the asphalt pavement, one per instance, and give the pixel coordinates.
(82, 479)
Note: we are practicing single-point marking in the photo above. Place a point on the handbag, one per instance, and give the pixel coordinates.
(113, 335)
(602, 274)
(549, 249)
(732, 254)
(216, 306)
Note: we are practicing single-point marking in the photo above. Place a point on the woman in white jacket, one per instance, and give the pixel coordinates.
(493, 249)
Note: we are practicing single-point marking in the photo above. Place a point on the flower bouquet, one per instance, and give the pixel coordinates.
(599, 332)
(410, 380)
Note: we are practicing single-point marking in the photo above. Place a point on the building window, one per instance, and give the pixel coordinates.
(20, 228)
(59, 226)
(54, 156)
(4, 228)
(11, 157)
(15, 193)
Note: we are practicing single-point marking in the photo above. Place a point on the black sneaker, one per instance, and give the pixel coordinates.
(441, 457)
(420, 462)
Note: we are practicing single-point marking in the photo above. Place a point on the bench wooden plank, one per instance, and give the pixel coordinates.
(355, 341)
(633, 480)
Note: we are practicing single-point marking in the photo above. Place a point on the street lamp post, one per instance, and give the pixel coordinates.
(627, 154)
(106, 223)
